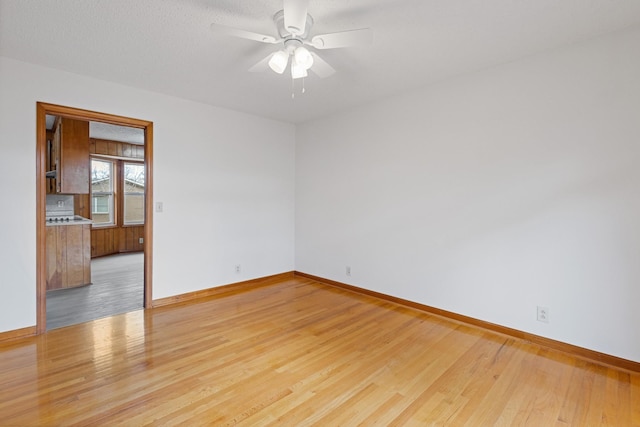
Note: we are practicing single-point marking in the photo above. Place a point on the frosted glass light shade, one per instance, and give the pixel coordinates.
(303, 57)
(279, 61)
(297, 71)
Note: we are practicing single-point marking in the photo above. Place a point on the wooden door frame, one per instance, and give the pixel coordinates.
(42, 110)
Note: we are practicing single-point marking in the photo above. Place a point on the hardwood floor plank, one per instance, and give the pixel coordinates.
(117, 287)
(298, 352)
(635, 399)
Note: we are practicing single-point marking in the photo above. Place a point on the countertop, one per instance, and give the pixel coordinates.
(77, 220)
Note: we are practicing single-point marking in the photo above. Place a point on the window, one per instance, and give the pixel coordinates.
(133, 193)
(102, 192)
(100, 205)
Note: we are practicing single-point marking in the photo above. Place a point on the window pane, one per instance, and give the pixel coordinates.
(102, 192)
(100, 204)
(133, 193)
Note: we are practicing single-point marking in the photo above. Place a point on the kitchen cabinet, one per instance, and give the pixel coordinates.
(69, 157)
(68, 256)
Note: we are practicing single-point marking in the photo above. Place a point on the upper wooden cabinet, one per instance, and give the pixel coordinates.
(70, 157)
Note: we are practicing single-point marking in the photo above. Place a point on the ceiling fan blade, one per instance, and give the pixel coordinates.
(295, 15)
(320, 67)
(262, 65)
(361, 37)
(243, 34)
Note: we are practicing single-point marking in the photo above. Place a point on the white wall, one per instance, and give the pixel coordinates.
(485, 195)
(489, 194)
(226, 180)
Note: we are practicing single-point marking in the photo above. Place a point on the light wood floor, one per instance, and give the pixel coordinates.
(300, 353)
(117, 287)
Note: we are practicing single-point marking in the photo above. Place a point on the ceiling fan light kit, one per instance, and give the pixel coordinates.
(303, 57)
(297, 70)
(301, 60)
(294, 24)
(279, 61)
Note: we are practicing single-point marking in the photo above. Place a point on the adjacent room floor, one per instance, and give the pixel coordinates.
(117, 287)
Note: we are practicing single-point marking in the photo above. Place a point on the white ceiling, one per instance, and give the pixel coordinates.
(166, 45)
(116, 133)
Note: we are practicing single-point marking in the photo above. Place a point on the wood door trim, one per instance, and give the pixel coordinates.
(42, 109)
(148, 214)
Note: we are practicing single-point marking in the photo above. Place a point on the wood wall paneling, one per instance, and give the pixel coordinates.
(104, 241)
(117, 239)
(114, 240)
(130, 238)
(127, 151)
(116, 149)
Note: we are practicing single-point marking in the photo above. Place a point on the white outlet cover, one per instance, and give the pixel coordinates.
(543, 314)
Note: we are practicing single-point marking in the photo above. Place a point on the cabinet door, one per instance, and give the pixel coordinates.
(74, 256)
(56, 255)
(86, 254)
(68, 256)
(53, 160)
(73, 165)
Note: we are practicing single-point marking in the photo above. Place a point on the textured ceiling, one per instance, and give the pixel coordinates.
(116, 133)
(166, 45)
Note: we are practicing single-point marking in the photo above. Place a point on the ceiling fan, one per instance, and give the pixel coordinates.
(294, 24)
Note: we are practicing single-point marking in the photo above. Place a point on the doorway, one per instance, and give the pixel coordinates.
(145, 240)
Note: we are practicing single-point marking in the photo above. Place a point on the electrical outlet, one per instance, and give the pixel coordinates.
(238, 269)
(141, 240)
(543, 314)
(348, 270)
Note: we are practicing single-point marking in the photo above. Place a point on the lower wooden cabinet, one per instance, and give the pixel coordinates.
(68, 256)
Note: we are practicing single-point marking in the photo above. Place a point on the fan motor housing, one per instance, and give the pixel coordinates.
(278, 19)
(292, 44)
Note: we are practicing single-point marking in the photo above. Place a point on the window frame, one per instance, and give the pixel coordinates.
(96, 208)
(123, 164)
(112, 194)
(118, 193)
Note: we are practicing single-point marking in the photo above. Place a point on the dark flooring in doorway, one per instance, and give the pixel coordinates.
(117, 287)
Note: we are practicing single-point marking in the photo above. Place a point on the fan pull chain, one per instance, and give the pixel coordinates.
(293, 88)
